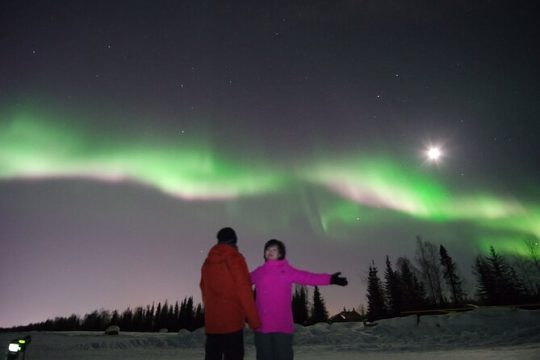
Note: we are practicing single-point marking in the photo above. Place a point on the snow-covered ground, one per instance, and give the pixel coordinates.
(484, 333)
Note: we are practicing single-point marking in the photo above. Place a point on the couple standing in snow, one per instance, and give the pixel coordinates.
(226, 287)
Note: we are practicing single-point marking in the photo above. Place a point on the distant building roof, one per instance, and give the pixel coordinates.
(346, 316)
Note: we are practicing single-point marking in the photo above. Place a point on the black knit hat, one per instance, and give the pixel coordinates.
(280, 245)
(226, 236)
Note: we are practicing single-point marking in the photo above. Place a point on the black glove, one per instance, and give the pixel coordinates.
(338, 280)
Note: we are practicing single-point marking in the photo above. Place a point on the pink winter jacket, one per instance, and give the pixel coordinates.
(273, 285)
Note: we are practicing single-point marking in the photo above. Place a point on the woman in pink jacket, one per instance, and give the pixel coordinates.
(273, 285)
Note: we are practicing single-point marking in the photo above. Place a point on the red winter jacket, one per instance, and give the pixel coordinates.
(226, 291)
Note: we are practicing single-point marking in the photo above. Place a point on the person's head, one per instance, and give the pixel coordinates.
(227, 236)
(274, 250)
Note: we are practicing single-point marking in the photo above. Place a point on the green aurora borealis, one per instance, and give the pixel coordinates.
(350, 190)
(132, 131)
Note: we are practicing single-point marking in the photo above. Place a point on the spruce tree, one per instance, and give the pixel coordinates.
(533, 249)
(114, 318)
(189, 314)
(199, 317)
(407, 285)
(71, 323)
(176, 317)
(138, 319)
(449, 270)
(485, 283)
(182, 315)
(300, 306)
(392, 290)
(171, 319)
(319, 312)
(497, 280)
(162, 316)
(157, 317)
(376, 306)
(149, 318)
(126, 320)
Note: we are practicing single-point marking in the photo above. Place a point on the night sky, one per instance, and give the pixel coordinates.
(132, 131)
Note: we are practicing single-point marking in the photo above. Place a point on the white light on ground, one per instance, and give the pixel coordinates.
(14, 347)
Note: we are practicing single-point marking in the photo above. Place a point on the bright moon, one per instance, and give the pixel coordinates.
(434, 153)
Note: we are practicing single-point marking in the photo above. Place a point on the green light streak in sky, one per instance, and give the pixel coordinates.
(387, 184)
(32, 147)
(343, 192)
(382, 183)
(527, 224)
(512, 244)
(379, 182)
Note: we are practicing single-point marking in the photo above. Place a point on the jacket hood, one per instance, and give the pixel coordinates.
(220, 252)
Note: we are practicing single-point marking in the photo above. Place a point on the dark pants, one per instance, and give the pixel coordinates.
(274, 346)
(225, 346)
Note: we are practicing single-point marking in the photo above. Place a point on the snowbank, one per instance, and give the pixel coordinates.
(477, 328)
(482, 328)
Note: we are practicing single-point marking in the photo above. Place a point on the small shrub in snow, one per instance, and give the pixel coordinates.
(112, 330)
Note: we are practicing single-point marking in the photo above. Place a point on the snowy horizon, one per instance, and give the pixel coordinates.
(482, 333)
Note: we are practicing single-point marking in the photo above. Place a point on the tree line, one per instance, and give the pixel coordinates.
(436, 282)
(185, 315)
(306, 312)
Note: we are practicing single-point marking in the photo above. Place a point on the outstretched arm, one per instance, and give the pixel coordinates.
(308, 278)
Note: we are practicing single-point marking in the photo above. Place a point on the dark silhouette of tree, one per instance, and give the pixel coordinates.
(362, 311)
(157, 316)
(95, 321)
(533, 249)
(172, 323)
(187, 314)
(163, 316)
(413, 295)
(449, 270)
(300, 305)
(199, 317)
(72, 323)
(115, 318)
(528, 276)
(149, 318)
(527, 267)
(376, 306)
(140, 319)
(182, 314)
(318, 312)
(392, 290)
(497, 280)
(126, 320)
(485, 289)
(426, 256)
(190, 314)
(175, 318)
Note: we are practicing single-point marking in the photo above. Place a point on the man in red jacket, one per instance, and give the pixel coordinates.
(228, 299)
